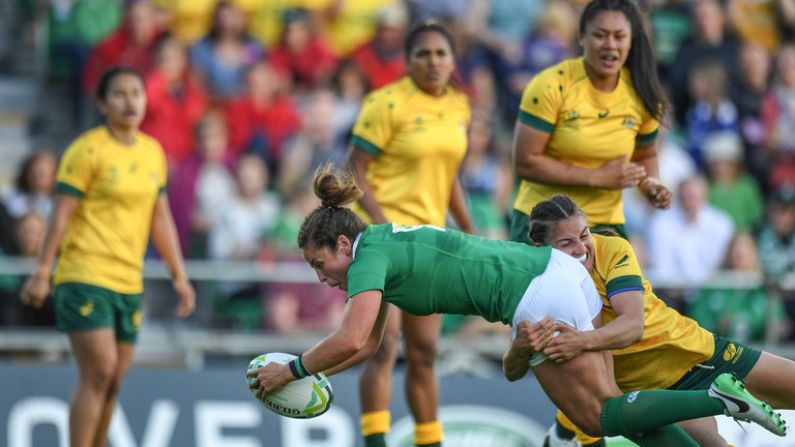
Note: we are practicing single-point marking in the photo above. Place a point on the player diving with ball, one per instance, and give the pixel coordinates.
(425, 270)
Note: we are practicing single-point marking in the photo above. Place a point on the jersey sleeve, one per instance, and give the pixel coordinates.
(374, 126)
(648, 131)
(367, 272)
(76, 169)
(162, 175)
(541, 101)
(623, 271)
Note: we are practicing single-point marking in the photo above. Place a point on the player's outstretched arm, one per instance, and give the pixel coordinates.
(362, 314)
(373, 342)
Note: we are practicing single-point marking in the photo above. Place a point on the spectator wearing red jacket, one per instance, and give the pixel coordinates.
(176, 101)
(302, 55)
(263, 118)
(131, 44)
(381, 59)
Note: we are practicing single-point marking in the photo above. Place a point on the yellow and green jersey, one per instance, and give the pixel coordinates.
(418, 142)
(587, 129)
(426, 269)
(117, 187)
(672, 344)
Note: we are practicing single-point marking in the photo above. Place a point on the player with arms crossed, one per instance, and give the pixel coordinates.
(653, 345)
(425, 270)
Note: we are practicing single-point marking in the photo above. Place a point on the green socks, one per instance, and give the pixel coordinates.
(641, 411)
(375, 440)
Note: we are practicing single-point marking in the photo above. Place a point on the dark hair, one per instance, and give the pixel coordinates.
(326, 223)
(546, 214)
(430, 25)
(108, 75)
(641, 61)
(215, 33)
(23, 176)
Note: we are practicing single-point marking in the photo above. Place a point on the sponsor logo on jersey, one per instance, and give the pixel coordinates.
(604, 113)
(732, 353)
(631, 397)
(729, 352)
(624, 262)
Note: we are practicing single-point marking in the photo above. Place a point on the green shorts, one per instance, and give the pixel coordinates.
(520, 227)
(729, 357)
(81, 307)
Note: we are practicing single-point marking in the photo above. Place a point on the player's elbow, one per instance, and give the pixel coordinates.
(636, 332)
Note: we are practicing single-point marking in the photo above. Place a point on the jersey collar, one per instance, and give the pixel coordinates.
(356, 244)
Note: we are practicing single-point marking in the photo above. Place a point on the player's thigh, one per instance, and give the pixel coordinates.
(773, 379)
(420, 333)
(704, 431)
(95, 353)
(578, 387)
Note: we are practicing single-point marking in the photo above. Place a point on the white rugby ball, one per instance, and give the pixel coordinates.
(300, 399)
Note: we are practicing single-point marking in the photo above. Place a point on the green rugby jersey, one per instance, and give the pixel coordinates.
(425, 270)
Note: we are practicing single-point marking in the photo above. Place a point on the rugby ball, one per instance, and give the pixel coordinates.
(300, 399)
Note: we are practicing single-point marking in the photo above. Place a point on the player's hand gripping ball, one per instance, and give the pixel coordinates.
(301, 399)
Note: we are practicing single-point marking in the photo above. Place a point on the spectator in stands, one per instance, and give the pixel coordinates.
(319, 142)
(176, 101)
(132, 44)
(747, 93)
(738, 313)
(202, 185)
(776, 243)
(550, 42)
(381, 59)
(778, 117)
(74, 28)
(730, 188)
(709, 42)
(301, 54)
(712, 111)
(689, 242)
(350, 87)
(486, 179)
(110, 183)
(756, 22)
(242, 226)
(221, 57)
(263, 118)
(243, 223)
(35, 185)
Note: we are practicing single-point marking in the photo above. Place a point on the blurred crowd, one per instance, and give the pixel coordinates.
(248, 97)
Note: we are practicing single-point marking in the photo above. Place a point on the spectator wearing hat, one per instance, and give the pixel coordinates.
(730, 187)
(776, 241)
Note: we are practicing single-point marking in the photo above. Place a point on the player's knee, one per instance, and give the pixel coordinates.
(100, 376)
(387, 351)
(421, 353)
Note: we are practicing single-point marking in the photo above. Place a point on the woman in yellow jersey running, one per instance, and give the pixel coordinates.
(407, 147)
(110, 199)
(653, 345)
(587, 126)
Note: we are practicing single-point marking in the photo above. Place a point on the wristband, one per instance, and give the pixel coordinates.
(298, 369)
(307, 372)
